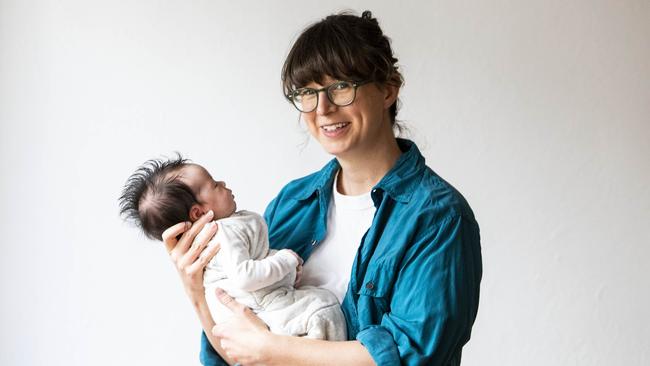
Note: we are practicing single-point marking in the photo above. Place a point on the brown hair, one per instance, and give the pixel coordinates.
(345, 47)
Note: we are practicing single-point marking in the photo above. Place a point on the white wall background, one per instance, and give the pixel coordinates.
(538, 111)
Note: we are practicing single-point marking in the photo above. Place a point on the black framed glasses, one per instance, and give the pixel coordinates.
(339, 93)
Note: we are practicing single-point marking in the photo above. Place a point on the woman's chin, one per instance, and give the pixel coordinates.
(334, 151)
(336, 148)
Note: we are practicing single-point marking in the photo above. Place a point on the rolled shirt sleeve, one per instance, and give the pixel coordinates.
(208, 356)
(380, 344)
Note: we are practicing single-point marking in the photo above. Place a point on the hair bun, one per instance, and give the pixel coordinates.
(367, 14)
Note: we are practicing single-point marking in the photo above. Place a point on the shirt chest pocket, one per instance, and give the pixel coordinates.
(376, 290)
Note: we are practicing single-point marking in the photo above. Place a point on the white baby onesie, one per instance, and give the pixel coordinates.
(263, 279)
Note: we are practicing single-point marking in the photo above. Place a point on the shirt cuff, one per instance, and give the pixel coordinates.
(380, 344)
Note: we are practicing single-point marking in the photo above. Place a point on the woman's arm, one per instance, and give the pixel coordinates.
(190, 256)
(433, 301)
(247, 340)
(287, 350)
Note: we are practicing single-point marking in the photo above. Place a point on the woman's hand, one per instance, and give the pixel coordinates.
(189, 253)
(245, 337)
(190, 257)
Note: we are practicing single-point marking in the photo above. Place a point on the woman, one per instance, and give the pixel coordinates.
(411, 257)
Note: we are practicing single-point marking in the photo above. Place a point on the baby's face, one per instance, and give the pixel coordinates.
(211, 194)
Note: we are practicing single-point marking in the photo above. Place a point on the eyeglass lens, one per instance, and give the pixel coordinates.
(341, 93)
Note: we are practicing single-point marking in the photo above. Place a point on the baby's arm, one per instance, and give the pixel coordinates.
(250, 274)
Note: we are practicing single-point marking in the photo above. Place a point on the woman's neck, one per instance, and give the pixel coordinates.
(362, 172)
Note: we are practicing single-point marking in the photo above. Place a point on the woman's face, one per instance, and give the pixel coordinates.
(356, 129)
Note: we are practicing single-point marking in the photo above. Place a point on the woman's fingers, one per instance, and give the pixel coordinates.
(206, 255)
(169, 236)
(201, 241)
(229, 302)
(243, 334)
(199, 261)
(191, 262)
(188, 237)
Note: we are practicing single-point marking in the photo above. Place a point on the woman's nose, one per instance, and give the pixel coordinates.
(324, 105)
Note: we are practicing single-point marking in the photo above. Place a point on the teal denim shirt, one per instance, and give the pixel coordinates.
(414, 288)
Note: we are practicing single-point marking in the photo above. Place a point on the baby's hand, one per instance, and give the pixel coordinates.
(298, 275)
(300, 261)
(298, 267)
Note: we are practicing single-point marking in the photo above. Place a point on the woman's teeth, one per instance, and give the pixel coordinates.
(335, 127)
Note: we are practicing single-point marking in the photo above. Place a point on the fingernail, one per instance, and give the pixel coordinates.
(219, 291)
(210, 213)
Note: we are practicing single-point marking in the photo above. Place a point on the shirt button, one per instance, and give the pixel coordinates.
(370, 285)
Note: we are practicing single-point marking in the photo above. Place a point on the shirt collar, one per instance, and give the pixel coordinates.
(399, 182)
(401, 179)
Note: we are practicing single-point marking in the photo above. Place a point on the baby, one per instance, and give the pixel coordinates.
(162, 193)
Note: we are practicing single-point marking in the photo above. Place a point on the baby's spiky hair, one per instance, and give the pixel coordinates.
(154, 198)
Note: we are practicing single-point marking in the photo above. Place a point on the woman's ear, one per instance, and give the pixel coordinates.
(196, 212)
(390, 95)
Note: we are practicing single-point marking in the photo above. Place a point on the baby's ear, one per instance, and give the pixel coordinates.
(196, 212)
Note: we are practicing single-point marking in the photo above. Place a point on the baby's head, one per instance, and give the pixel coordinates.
(164, 192)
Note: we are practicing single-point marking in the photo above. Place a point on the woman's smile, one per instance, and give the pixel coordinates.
(335, 129)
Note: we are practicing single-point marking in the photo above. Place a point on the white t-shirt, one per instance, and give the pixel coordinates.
(330, 264)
